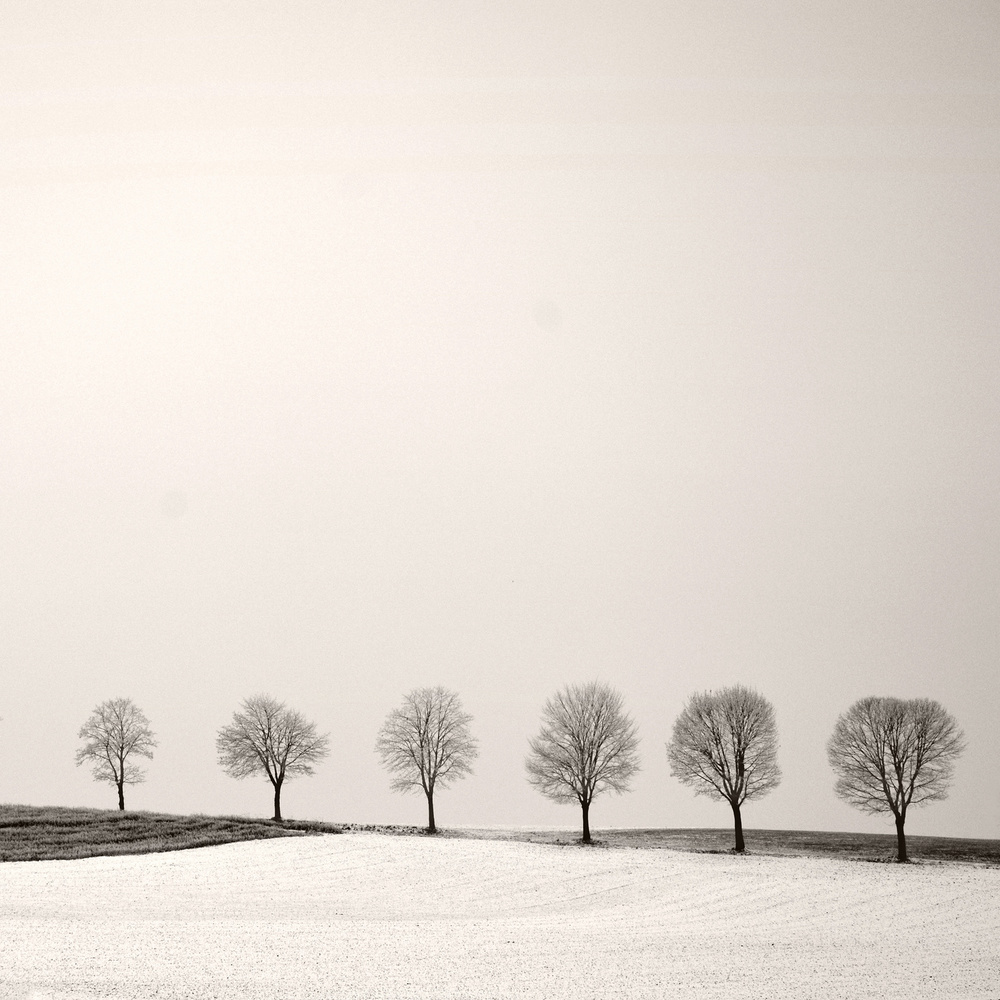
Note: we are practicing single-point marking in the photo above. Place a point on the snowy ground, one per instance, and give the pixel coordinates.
(366, 915)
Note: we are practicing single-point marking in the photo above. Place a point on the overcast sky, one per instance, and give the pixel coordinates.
(350, 348)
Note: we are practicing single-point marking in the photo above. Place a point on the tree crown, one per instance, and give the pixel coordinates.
(426, 741)
(267, 737)
(888, 753)
(587, 744)
(725, 745)
(116, 733)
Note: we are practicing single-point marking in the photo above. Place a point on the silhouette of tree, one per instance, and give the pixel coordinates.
(426, 744)
(725, 746)
(115, 734)
(889, 754)
(268, 738)
(587, 744)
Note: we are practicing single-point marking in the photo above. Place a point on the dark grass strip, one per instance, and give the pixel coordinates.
(30, 833)
(853, 846)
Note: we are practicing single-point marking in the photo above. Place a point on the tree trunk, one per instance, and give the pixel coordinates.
(431, 828)
(586, 822)
(738, 824)
(121, 795)
(900, 840)
(277, 802)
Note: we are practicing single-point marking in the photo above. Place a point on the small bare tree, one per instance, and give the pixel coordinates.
(725, 746)
(587, 744)
(889, 754)
(267, 738)
(426, 744)
(115, 734)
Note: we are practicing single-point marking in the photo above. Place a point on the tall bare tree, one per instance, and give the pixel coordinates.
(587, 744)
(889, 754)
(725, 745)
(267, 738)
(426, 744)
(115, 734)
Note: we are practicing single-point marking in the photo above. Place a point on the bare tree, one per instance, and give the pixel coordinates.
(725, 746)
(426, 744)
(587, 744)
(889, 754)
(116, 733)
(267, 738)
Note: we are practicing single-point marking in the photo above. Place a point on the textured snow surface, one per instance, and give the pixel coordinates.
(376, 916)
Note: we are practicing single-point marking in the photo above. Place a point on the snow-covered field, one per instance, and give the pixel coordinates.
(366, 915)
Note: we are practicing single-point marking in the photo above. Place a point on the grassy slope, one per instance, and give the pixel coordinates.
(31, 833)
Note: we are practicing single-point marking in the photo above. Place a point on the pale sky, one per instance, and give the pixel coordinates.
(351, 348)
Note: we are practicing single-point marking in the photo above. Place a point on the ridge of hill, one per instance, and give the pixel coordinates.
(44, 833)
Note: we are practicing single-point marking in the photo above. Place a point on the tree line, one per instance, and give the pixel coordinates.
(887, 754)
